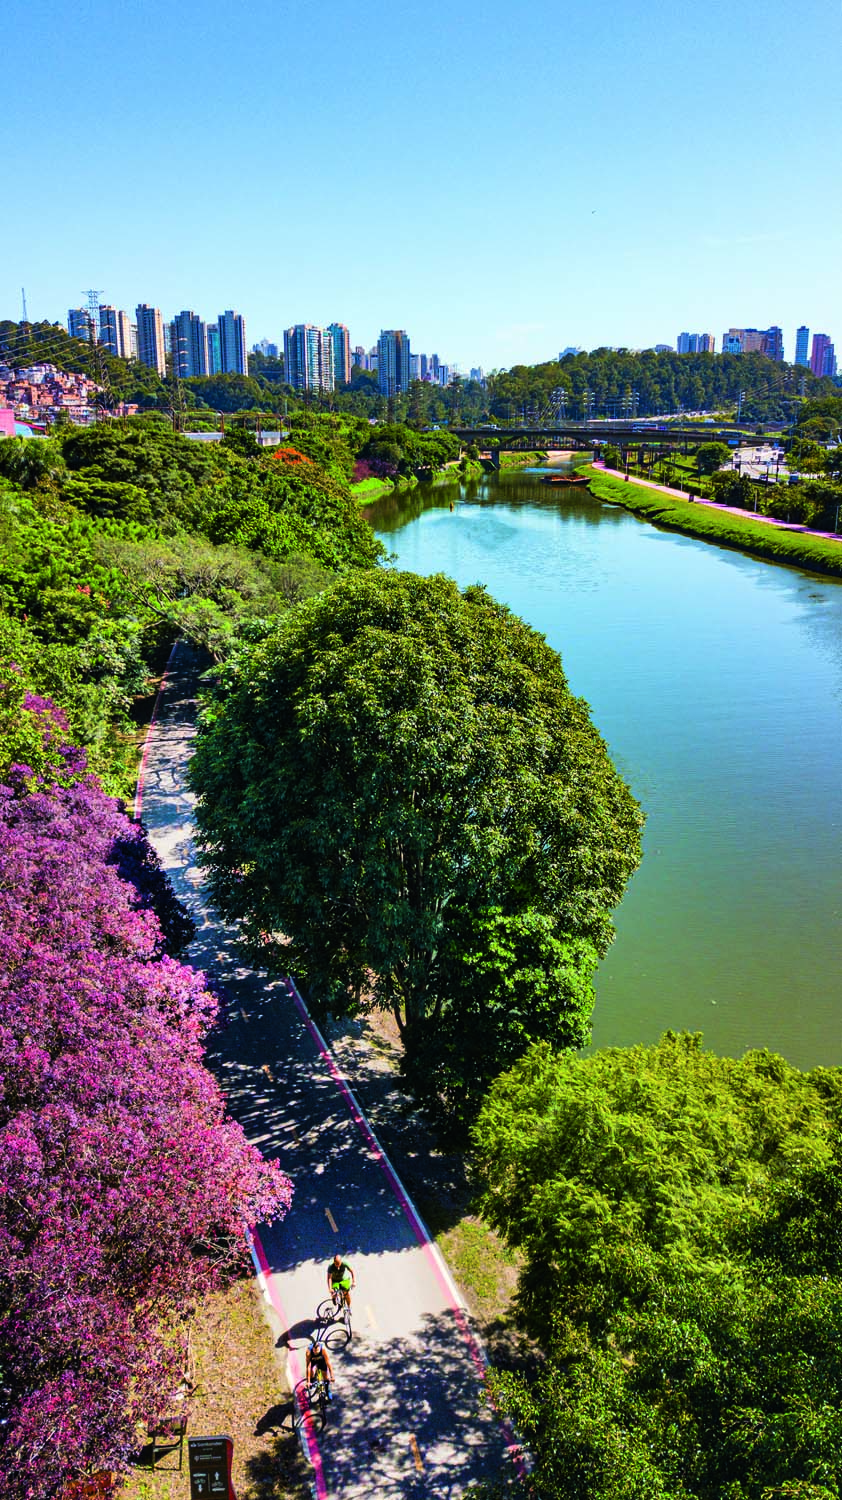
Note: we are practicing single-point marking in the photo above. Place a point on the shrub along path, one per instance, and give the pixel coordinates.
(408, 1418)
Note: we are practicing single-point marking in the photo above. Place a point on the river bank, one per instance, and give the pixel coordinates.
(727, 527)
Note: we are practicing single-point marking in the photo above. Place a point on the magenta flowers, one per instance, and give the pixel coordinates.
(124, 1189)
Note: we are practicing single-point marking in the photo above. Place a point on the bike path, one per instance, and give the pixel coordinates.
(407, 1419)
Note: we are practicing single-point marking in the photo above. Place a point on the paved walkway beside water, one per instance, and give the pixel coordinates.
(408, 1418)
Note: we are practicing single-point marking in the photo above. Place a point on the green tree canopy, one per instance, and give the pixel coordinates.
(400, 781)
(678, 1213)
(711, 456)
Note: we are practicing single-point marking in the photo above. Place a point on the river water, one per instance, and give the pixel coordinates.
(716, 680)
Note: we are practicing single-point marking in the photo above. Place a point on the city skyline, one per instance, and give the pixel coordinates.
(187, 333)
(558, 183)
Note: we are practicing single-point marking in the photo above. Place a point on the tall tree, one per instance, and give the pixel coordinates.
(400, 781)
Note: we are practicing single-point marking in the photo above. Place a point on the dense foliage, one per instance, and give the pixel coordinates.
(114, 539)
(399, 780)
(610, 382)
(124, 1189)
(679, 1218)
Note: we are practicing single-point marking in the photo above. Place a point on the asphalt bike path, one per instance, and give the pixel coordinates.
(407, 1419)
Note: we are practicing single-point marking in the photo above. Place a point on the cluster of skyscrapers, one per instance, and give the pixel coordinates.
(195, 347)
(321, 359)
(822, 357)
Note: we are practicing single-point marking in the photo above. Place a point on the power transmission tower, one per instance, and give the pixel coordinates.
(104, 395)
(23, 300)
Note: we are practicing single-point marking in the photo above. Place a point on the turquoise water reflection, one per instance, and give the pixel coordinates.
(717, 681)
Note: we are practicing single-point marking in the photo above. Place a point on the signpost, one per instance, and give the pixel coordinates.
(210, 1460)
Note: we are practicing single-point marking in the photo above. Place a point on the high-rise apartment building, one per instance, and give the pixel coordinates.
(359, 356)
(768, 341)
(79, 323)
(150, 338)
(341, 352)
(394, 370)
(823, 356)
(266, 348)
(232, 343)
(802, 341)
(308, 357)
(115, 331)
(742, 341)
(214, 352)
(189, 343)
(695, 343)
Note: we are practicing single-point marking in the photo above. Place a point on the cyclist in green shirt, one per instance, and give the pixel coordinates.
(340, 1274)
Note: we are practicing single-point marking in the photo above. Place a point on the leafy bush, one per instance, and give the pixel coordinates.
(678, 1215)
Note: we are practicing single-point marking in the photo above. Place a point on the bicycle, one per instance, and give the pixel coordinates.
(332, 1311)
(318, 1388)
(342, 1310)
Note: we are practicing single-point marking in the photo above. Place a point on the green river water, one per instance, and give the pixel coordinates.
(716, 681)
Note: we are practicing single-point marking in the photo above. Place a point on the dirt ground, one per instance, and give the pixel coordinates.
(240, 1392)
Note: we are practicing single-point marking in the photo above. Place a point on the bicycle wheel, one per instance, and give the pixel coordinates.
(321, 1397)
(326, 1312)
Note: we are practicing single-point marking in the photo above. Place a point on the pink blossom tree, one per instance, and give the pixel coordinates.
(124, 1189)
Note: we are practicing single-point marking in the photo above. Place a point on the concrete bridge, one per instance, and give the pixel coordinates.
(586, 435)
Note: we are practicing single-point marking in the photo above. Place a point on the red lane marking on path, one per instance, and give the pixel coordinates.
(422, 1234)
(153, 724)
(313, 1453)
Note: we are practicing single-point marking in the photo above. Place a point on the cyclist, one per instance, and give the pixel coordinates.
(339, 1274)
(319, 1366)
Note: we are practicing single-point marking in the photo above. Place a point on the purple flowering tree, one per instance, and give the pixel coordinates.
(124, 1189)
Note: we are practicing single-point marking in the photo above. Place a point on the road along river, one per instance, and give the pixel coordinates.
(716, 680)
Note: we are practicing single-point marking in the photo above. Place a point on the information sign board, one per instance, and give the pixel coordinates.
(210, 1460)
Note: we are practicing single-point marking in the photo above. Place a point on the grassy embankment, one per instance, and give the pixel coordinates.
(743, 534)
(521, 460)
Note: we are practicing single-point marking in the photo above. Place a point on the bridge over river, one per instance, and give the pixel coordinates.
(586, 435)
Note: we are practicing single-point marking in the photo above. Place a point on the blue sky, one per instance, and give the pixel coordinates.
(499, 181)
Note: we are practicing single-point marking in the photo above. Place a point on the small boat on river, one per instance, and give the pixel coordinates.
(580, 479)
